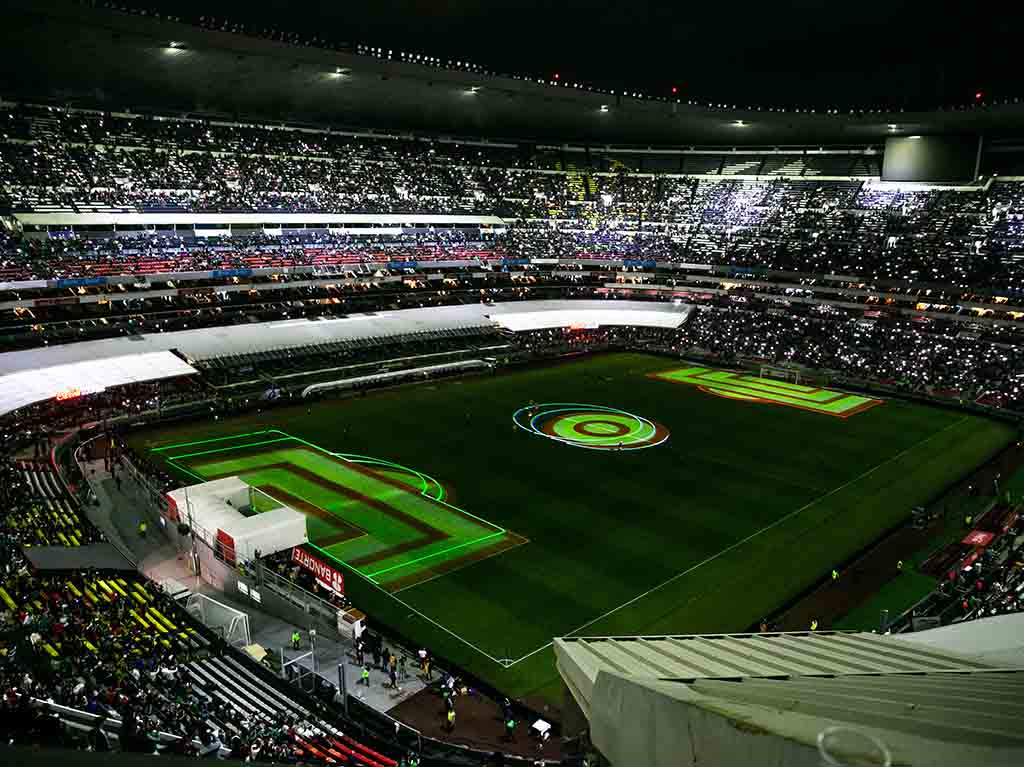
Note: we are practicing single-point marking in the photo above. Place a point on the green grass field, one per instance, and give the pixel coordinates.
(745, 505)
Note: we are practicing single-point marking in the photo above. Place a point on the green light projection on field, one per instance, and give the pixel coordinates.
(595, 427)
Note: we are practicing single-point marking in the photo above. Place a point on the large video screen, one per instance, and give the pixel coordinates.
(930, 158)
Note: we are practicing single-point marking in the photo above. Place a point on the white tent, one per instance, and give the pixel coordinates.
(214, 512)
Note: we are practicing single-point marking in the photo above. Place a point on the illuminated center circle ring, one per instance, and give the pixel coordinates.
(594, 427)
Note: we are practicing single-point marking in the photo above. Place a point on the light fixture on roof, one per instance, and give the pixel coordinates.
(473, 89)
(604, 107)
(740, 124)
(893, 127)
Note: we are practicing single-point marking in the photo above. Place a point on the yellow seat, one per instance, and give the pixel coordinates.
(6, 598)
(162, 617)
(142, 591)
(157, 624)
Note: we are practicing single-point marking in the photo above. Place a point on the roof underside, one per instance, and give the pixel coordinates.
(71, 54)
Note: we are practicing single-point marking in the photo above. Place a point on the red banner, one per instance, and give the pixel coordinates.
(325, 575)
(978, 538)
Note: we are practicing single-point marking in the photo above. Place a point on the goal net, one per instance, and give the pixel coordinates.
(784, 374)
(794, 375)
(225, 621)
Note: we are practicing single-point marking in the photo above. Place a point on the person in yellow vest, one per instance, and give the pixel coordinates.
(450, 719)
(142, 529)
(296, 640)
(899, 566)
(835, 575)
(814, 624)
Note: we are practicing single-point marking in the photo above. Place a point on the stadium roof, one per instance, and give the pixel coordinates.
(75, 55)
(721, 699)
(135, 354)
(998, 640)
(37, 375)
(91, 366)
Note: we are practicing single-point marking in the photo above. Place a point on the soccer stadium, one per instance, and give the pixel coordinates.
(376, 390)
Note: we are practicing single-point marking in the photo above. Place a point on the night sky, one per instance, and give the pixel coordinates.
(806, 53)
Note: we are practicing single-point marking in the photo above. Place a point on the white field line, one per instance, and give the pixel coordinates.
(448, 631)
(736, 545)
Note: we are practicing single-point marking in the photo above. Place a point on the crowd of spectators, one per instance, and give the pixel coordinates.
(312, 248)
(979, 577)
(925, 358)
(87, 161)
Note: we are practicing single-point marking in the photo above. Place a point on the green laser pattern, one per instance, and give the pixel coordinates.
(732, 385)
(429, 488)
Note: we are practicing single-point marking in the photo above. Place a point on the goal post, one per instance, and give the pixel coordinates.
(795, 375)
(782, 373)
(225, 621)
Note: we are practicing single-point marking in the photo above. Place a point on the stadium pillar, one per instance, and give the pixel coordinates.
(342, 687)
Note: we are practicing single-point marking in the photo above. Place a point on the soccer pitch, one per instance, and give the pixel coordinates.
(621, 501)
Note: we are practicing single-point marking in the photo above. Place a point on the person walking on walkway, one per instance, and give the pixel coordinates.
(835, 575)
(142, 529)
(450, 720)
(364, 677)
(814, 624)
(296, 639)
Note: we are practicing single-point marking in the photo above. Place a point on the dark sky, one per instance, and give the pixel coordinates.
(809, 52)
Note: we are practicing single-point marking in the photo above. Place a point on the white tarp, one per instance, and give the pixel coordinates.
(212, 509)
(86, 376)
(206, 343)
(590, 318)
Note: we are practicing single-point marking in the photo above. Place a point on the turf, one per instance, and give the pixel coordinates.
(897, 596)
(745, 505)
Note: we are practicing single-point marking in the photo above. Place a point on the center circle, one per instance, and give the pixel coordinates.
(601, 428)
(596, 427)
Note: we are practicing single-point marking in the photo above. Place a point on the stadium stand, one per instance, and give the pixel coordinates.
(800, 259)
(119, 661)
